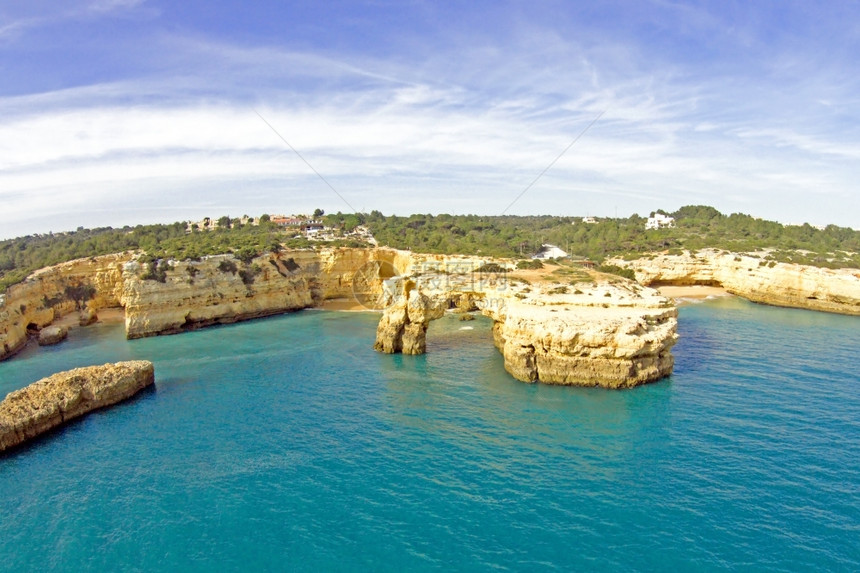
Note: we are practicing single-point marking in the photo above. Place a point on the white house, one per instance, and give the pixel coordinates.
(659, 221)
(548, 251)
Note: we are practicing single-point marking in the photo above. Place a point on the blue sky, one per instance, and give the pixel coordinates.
(119, 112)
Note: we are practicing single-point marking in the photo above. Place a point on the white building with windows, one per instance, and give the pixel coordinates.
(660, 221)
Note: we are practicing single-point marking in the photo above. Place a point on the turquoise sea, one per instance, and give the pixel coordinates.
(288, 444)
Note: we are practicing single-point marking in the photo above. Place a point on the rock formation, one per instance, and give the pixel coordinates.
(52, 335)
(543, 336)
(221, 289)
(403, 326)
(87, 317)
(54, 400)
(56, 291)
(218, 289)
(607, 334)
(755, 278)
(612, 334)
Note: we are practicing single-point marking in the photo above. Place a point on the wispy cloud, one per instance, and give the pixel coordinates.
(462, 129)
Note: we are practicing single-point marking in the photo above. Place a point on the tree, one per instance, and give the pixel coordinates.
(318, 213)
(224, 222)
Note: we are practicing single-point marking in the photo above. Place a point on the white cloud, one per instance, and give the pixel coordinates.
(102, 6)
(462, 134)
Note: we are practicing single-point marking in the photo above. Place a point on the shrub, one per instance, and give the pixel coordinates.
(227, 267)
(619, 271)
(155, 271)
(491, 268)
(245, 254)
(248, 275)
(530, 264)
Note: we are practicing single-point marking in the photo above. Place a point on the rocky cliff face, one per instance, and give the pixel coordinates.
(403, 326)
(601, 334)
(54, 400)
(606, 334)
(55, 291)
(218, 289)
(615, 347)
(756, 279)
(221, 289)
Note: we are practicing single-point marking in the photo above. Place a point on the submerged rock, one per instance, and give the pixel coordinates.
(52, 401)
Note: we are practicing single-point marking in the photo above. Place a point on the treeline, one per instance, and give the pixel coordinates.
(696, 227)
(502, 236)
(20, 257)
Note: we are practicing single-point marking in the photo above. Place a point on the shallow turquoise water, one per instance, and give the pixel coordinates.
(287, 443)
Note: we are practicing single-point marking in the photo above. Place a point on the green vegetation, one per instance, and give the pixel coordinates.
(20, 257)
(529, 264)
(505, 236)
(696, 227)
(616, 270)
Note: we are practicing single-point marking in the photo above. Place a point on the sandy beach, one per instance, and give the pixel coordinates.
(343, 304)
(111, 315)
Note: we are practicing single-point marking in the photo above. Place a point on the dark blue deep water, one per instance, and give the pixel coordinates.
(288, 444)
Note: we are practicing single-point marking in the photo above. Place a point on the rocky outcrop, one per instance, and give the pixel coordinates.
(618, 347)
(52, 335)
(187, 295)
(611, 334)
(54, 400)
(403, 326)
(755, 278)
(87, 317)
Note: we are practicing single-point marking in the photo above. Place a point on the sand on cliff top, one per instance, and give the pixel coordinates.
(692, 291)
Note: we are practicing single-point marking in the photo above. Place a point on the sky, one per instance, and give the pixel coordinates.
(116, 112)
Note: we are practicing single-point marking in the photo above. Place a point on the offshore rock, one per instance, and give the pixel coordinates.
(612, 333)
(615, 347)
(403, 326)
(54, 400)
(52, 335)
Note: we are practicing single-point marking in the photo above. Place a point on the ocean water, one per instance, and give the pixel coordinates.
(288, 444)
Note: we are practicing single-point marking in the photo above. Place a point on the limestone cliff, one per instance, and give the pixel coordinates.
(221, 289)
(52, 292)
(753, 277)
(612, 334)
(54, 400)
(601, 334)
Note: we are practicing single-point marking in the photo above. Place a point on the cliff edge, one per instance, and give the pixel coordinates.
(54, 400)
(755, 278)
